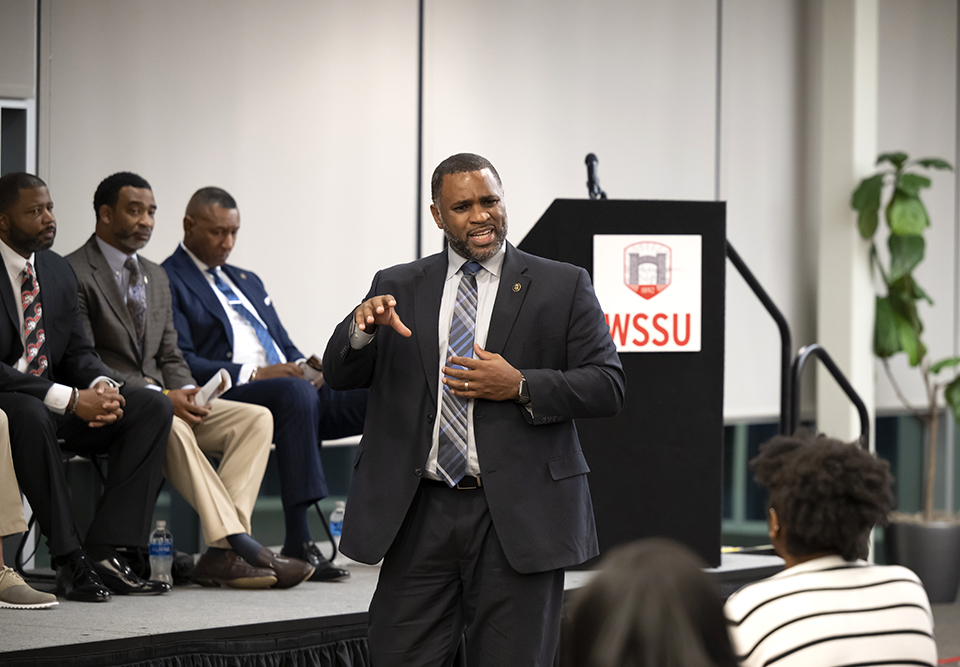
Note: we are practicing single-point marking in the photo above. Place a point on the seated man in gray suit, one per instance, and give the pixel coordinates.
(125, 309)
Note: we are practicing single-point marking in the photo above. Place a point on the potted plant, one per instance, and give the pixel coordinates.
(928, 543)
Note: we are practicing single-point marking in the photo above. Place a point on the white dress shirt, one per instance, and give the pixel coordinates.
(247, 349)
(488, 281)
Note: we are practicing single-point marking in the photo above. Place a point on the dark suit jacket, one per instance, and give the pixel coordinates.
(204, 331)
(548, 324)
(108, 324)
(73, 361)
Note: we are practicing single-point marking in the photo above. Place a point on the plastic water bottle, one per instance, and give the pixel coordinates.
(161, 554)
(336, 522)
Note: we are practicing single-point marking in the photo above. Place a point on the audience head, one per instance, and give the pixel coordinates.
(210, 225)
(650, 605)
(468, 205)
(825, 496)
(125, 210)
(27, 223)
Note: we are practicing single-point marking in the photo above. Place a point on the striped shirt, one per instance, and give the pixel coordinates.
(828, 612)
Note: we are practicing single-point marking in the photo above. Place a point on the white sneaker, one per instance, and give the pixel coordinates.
(15, 594)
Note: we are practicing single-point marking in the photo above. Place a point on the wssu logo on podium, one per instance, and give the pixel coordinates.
(626, 266)
(646, 268)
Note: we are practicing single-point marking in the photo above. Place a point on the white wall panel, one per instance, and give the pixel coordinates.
(762, 166)
(305, 111)
(535, 86)
(918, 115)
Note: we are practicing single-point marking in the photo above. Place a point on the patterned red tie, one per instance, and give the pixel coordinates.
(33, 322)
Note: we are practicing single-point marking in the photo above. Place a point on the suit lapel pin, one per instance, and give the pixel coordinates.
(146, 280)
(243, 275)
(516, 287)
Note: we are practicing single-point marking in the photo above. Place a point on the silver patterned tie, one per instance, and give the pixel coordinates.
(452, 446)
(136, 298)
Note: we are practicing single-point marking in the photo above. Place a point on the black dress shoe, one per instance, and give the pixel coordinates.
(119, 578)
(290, 571)
(77, 580)
(323, 570)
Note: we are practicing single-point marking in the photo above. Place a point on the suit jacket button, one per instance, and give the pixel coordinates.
(418, 472)
(229, 355)
(429, 418)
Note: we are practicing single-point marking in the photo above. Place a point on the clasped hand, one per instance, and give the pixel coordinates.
(487, 375)
(100, 405)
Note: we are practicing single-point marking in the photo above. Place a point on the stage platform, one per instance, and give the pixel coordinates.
(311, 624)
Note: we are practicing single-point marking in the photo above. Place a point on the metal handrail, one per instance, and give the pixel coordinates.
(796, 375)
(787, 415)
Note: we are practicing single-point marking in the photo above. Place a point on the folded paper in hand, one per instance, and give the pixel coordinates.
(214, 388)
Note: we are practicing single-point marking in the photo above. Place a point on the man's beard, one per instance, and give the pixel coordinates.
(462, 246)
(23, 242)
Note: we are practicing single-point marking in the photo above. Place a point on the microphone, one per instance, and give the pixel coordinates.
(593, 183)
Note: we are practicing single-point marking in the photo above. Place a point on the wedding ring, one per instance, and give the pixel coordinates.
(466, 386)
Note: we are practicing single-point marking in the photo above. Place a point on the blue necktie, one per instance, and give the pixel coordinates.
(266, 340)
(452, 445)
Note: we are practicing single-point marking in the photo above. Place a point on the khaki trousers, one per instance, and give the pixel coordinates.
(239, 434)
(11, 507)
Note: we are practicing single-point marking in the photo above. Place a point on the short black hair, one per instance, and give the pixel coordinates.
(11, 185)
(650, 605)
(827, 494)
(108, 192)
(458, 164)
(212, 195)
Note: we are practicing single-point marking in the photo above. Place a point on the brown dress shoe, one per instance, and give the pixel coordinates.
(290, 571)
(225, 567)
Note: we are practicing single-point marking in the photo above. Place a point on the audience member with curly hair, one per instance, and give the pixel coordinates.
(828, 607)
(651, 605)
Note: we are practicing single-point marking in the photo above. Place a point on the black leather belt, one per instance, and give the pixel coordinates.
(465, 484)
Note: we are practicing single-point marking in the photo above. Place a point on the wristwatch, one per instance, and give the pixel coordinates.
(524, 398)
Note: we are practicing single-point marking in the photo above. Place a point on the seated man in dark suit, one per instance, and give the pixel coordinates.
(53, 384)
(225, 319)
(125, 310)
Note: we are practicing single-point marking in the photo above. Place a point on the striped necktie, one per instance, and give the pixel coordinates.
(452, 445)
(266, 340)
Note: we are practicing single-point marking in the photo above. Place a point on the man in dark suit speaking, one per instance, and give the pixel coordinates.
(470, 483)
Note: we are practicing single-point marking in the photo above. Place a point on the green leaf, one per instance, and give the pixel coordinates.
(886, 340)
(911, 184)
(867, 222)
(867, 194)
(949, 362)
(918, 293)
(952, 394)
(896, 159)
(906, 252)
(903, 300)
(934, 163)
(906, 215)
(910, 341)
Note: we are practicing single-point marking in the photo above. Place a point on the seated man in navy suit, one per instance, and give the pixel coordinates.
(225, 319)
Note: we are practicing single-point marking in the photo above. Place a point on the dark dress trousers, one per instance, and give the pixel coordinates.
(547, 323)
(135, 444)
(302, 415)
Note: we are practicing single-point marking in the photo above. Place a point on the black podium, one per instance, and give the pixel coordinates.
(656, 468)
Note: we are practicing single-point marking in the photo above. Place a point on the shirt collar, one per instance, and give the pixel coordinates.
(15, 261)
(196, 260)
(115, 257)
(491, 264)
